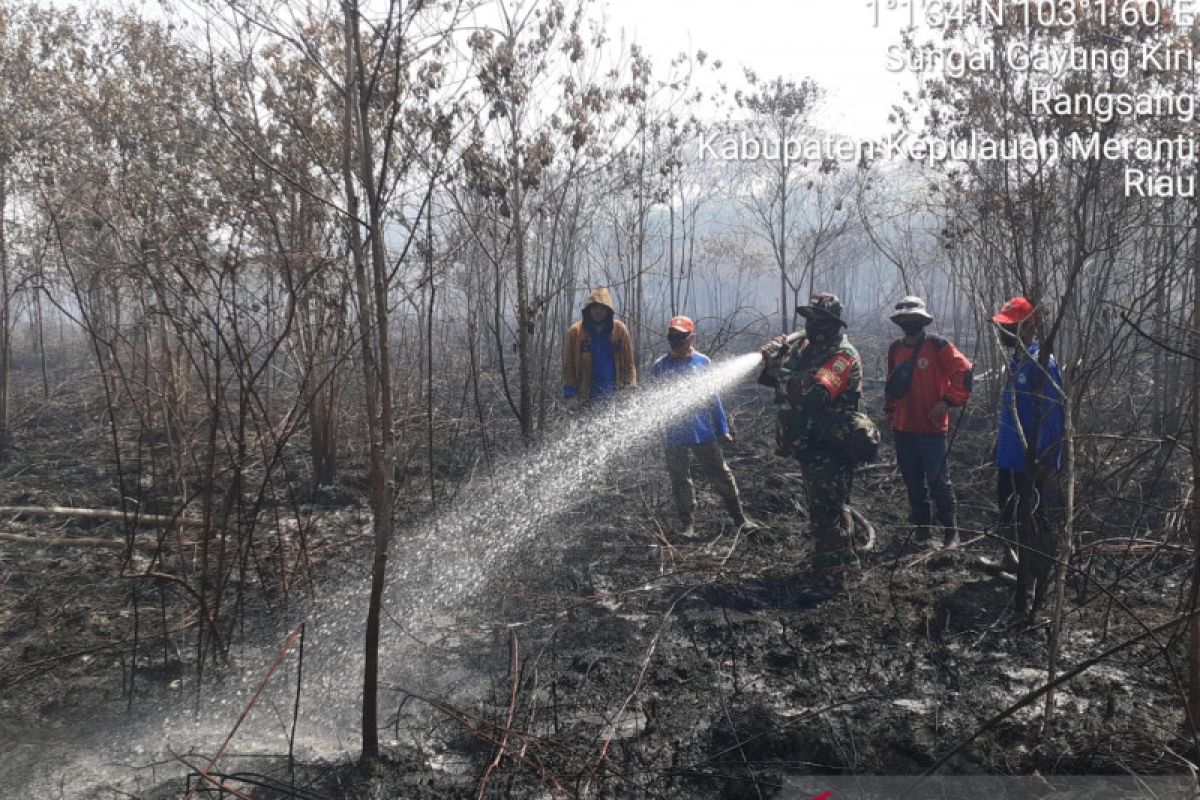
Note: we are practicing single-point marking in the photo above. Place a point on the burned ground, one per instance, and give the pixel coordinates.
(611, 658)
(717, 668)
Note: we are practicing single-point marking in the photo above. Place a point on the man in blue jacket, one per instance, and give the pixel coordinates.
(696, 432)
(1032, 404)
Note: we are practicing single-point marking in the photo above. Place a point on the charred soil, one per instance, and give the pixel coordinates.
(613, 658)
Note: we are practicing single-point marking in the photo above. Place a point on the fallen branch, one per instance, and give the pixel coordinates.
(107, 544)
(150, 520)
(1132, 547)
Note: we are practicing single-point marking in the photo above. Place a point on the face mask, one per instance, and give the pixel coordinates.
(1008, 338)
(911, 328)
(821, 331)
(680, 345)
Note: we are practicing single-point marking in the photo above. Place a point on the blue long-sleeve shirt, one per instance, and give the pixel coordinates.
(1023, 376)
(604, 361)
(704, 423)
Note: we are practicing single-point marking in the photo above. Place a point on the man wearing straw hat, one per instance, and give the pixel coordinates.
(927, 376)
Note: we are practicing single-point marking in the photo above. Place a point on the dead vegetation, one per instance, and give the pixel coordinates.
(254, 325)
(622, 661)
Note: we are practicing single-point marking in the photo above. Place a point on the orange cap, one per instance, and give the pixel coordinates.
(1016, 311)
(683, 324)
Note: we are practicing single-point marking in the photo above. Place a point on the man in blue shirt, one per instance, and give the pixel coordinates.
(1032, 402)
(696, 432)
(1029, 450)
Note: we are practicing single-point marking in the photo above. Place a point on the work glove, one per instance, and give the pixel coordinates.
(773, 348)
(568, 392)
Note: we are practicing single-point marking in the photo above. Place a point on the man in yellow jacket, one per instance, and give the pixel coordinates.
(598, 357)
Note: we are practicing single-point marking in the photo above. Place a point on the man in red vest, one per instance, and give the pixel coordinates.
(927, 376)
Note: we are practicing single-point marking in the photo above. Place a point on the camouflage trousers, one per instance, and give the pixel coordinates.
(829, 481)
(712, 462)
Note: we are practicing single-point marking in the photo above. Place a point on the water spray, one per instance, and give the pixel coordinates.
(531, 493)
(438, 564)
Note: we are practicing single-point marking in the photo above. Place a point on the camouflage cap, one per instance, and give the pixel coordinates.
(822, 304)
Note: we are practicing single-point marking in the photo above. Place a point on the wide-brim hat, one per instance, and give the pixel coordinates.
(911, 308)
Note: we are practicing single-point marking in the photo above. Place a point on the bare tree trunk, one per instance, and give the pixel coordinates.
(639, 320)
(473, 344)
(268, 373)
(429, 354)
(5, 310)
(322, 420)
(1063, 551)
(785, 318)
(1193, 708)
(41, 339)
(671, 257)
(524, 318)
(373, 329)
(1162, 282)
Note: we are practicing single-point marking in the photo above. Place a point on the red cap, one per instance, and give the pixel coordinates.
(681, 324)
(1016, 311)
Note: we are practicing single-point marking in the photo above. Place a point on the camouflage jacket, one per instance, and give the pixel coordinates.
(801, 371)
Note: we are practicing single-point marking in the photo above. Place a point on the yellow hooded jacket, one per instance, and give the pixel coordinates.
(577, 360)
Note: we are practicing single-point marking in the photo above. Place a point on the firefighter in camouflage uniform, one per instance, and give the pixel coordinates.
(817, 377)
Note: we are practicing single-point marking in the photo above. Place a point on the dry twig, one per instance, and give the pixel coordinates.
(512, 712)
(287, 645)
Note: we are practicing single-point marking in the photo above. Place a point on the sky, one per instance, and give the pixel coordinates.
(835, 42)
